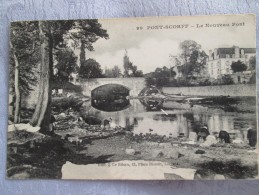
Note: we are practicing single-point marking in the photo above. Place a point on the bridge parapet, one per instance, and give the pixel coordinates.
(135, 85)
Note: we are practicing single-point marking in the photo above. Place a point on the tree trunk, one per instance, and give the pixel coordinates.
(16, 86)
(42, 114)
(82, 52)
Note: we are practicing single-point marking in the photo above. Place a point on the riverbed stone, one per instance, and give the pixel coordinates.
(199, 152)
(62, 115)
(219, 177)
(165, 145)
(157, 153)
(130, 151)
(172, 154)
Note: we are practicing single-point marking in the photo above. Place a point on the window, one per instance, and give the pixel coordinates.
(218, 65)
(242, 53)
(227, 70)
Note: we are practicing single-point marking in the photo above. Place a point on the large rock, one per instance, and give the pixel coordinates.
(219, 177)
(210, 140)
(130, 151)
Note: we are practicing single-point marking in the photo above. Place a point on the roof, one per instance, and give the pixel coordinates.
(249, 50)
(231, 50)
(226, 50)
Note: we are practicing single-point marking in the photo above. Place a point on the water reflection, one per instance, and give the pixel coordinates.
(152, 104)
(137, 118)
(110, 98)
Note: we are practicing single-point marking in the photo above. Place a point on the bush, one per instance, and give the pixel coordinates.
(227, 80)
(61, 104)
(252, 80)
(205, 82)
(150, 81)
(162, 81)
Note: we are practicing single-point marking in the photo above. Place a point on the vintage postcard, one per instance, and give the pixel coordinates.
(156, 98)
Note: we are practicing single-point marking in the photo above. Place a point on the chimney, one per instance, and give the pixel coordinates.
(237, 53)
(215, 53)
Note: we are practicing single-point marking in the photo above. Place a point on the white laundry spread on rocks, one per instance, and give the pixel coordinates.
(23, 126)
(209, 141)
(124, 170)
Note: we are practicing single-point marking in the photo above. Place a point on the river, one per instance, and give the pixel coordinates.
(173, 118)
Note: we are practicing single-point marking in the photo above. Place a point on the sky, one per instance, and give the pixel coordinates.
(150, 47)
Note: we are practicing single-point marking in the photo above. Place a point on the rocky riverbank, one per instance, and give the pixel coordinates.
(43, 156)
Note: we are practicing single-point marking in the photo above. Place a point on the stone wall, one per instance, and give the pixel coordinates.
(224, 90)
(135, 85)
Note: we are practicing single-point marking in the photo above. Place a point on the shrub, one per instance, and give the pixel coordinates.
(227, 80)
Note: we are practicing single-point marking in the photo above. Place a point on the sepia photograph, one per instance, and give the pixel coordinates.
(152, 98)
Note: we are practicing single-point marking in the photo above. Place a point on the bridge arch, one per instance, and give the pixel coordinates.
(111, 84)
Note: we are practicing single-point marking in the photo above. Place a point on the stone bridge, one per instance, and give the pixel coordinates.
(135, 85)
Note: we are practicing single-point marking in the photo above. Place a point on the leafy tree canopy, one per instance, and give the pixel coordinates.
(238, 66)
(66, 64)
(24, 39)
(113, 72)
(194, 58)
(90, 69)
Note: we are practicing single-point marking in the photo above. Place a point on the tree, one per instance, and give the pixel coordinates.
(160, 77)
(90, 69)
(40, 116)
(51, 38)
(116, 72)
(150, 81)
(23, 60)
(193, 57)
(138, 73)
(227, 80)
(126, 64)
(238, 66)
(134, 71)
(66, 64)
(252, 63)
(51, 35)
(113, 72)
(85, 33)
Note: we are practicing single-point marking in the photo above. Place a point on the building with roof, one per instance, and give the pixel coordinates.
(220, 60)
